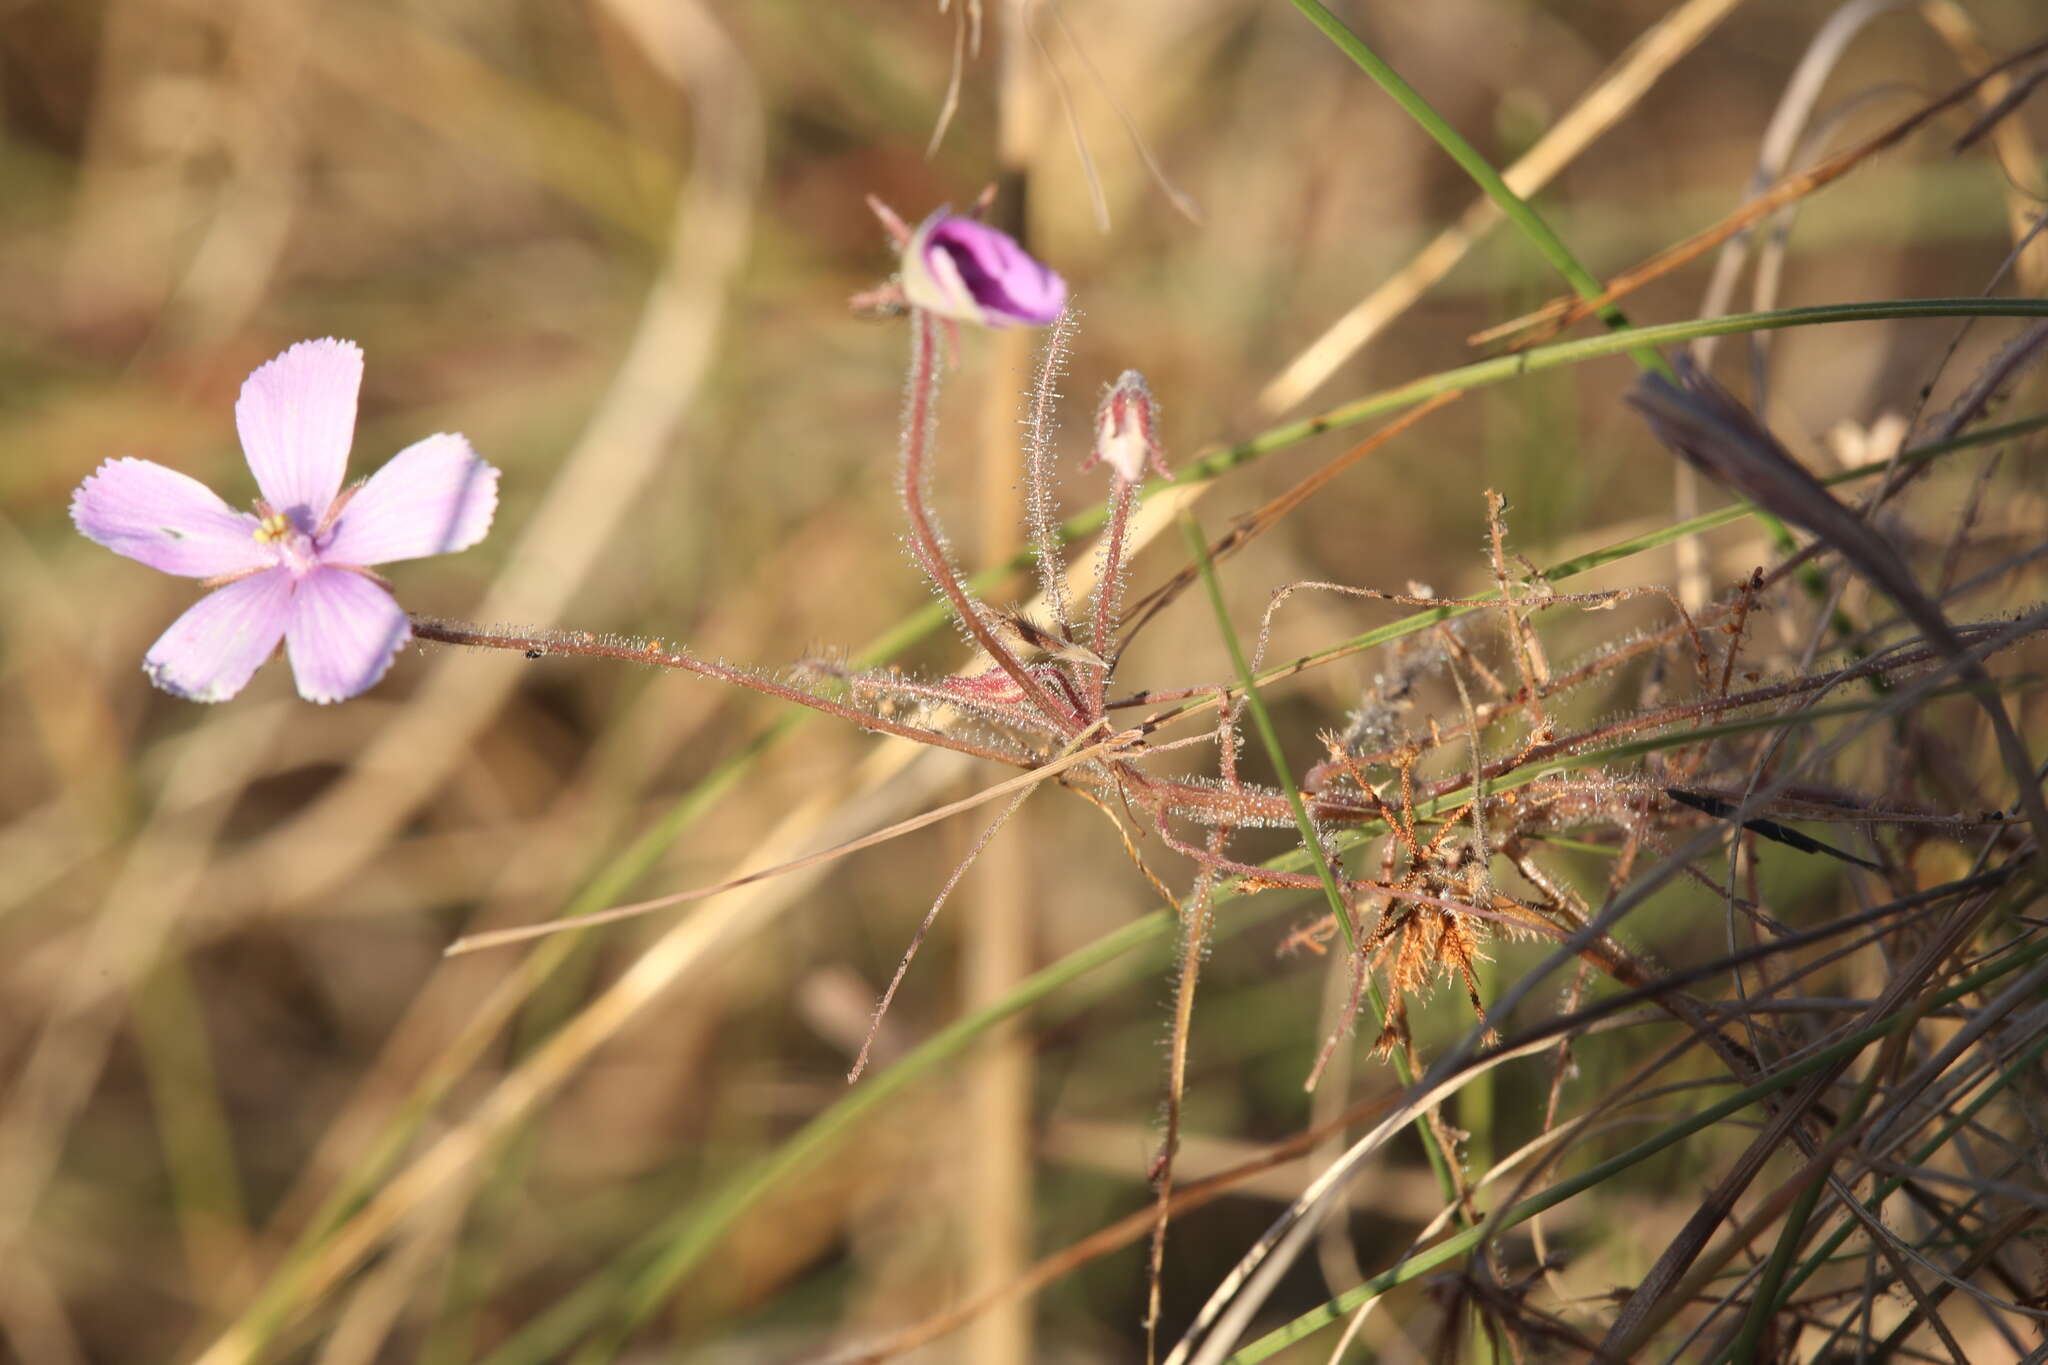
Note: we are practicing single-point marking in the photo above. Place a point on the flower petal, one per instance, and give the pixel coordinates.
(433, 497)
(930, 279)
(167, 520)
(297, 416)
(344, 632)
(209, 653)
(958, 268)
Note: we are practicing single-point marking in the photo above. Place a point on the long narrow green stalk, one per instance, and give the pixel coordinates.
(1517, 209)
(193, 1130)
(1311, 837)
(1262, 721)
(679, 1245)
(1499, 369)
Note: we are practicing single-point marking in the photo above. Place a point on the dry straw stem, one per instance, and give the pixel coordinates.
(1779, 145)
(1229, 1310)
(998, 933)
(384, 60)
(1655, 52)
(1776, 150)
(693, 944)
(1186, 1199)
(2018, 154)
(378, 1299)
(36, 1320)
(165, 863)
(498, 938)
(1561, 313)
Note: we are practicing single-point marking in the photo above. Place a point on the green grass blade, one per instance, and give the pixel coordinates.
(1517, 209)
(1262, 721)
(680, 1245)
(1311, 838)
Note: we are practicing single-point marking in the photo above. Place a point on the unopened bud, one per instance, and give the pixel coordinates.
(1125, 430)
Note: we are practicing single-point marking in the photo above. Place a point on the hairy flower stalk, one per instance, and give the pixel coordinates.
(1126, 441)
(540, 644)
(1040, 505)
(919, 421)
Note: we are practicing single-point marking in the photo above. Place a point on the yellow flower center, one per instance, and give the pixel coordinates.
(273, 528)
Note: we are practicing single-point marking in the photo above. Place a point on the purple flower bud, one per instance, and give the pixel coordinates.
(954, 267)
(1125, 438)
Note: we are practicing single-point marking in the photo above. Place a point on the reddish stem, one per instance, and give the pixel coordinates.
(1109, 590)
(931, 556)
(586, 645)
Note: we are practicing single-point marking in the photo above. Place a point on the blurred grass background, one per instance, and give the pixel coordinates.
(612, 243)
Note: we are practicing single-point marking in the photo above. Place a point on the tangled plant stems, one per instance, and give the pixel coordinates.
(1043, 697)
(1451, 799)
(295, 570)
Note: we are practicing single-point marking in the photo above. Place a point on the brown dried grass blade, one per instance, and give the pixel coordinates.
(1561, 313)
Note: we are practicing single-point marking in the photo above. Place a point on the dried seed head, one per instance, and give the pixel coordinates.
(1126, 430)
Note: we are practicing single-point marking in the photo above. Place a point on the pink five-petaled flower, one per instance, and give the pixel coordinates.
(296, 569)
(955, 267)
